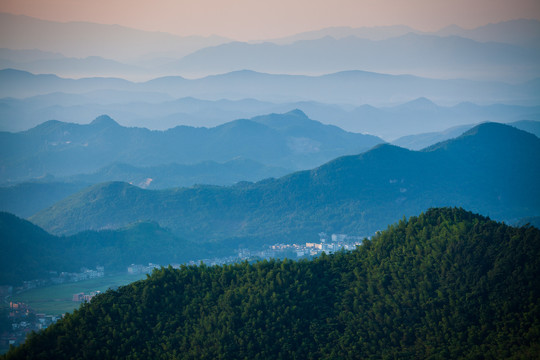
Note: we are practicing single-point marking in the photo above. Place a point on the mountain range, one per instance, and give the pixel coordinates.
(42, 62)
(520, 32)
(349, 87)
(421, 55)
(504, 51)
(491, 169)
(24, 199)
(159, 111)
(290, 140)
(83, 39)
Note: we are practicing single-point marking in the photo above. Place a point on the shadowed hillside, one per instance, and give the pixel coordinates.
(28, 252)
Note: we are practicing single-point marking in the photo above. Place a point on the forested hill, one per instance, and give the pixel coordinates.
(492, 170)
(445, 284)
(28, 252)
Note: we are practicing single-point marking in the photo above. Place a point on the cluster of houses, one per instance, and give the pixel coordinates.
(85, 274)
(327, 244)
(23, 320)
(63, 277)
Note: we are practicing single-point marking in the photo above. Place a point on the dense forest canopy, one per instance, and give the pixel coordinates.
(445, 284)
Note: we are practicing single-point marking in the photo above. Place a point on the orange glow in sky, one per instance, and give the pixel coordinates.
(264, 19)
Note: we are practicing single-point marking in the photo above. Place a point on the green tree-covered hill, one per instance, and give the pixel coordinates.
(444, 284)
(28, 252)
(493, 169)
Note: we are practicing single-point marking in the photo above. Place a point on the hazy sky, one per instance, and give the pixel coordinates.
(260, 19)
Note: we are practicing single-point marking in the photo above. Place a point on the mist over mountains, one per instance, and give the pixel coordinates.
(350, 87)
(505, 51)
(422, 55)
(120, 146)
(334, 75)
(247, 94)
(521, 32)
(83, 39)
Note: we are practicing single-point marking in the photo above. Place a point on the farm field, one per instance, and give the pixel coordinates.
(57, 299)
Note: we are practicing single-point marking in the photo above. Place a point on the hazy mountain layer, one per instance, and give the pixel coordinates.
(40, 62)
(415, 54)
(83, 39)
(289, 140)
(159, 112)
(491, 169)
(506, 50)
(421, 141)
(422, 115)
(445, 284)
(349, 87)
(521, 32)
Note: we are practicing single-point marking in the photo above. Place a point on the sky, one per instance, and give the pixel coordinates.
(266, 19)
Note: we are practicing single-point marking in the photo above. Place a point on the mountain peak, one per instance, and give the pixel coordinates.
(487, 127)
(420, 103)
(285, 120)
(297, 113)
(104, 121)
(491, 135)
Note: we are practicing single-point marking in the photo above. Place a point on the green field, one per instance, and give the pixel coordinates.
(57, 299)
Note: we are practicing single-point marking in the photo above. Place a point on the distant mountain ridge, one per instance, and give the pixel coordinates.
(93, 50)
(53, 63)
(350, 87)
(82, 39)
(159, 112)
(352, 194)
(412, 53)
(522, 32)
(421, 141)
(64, 149)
